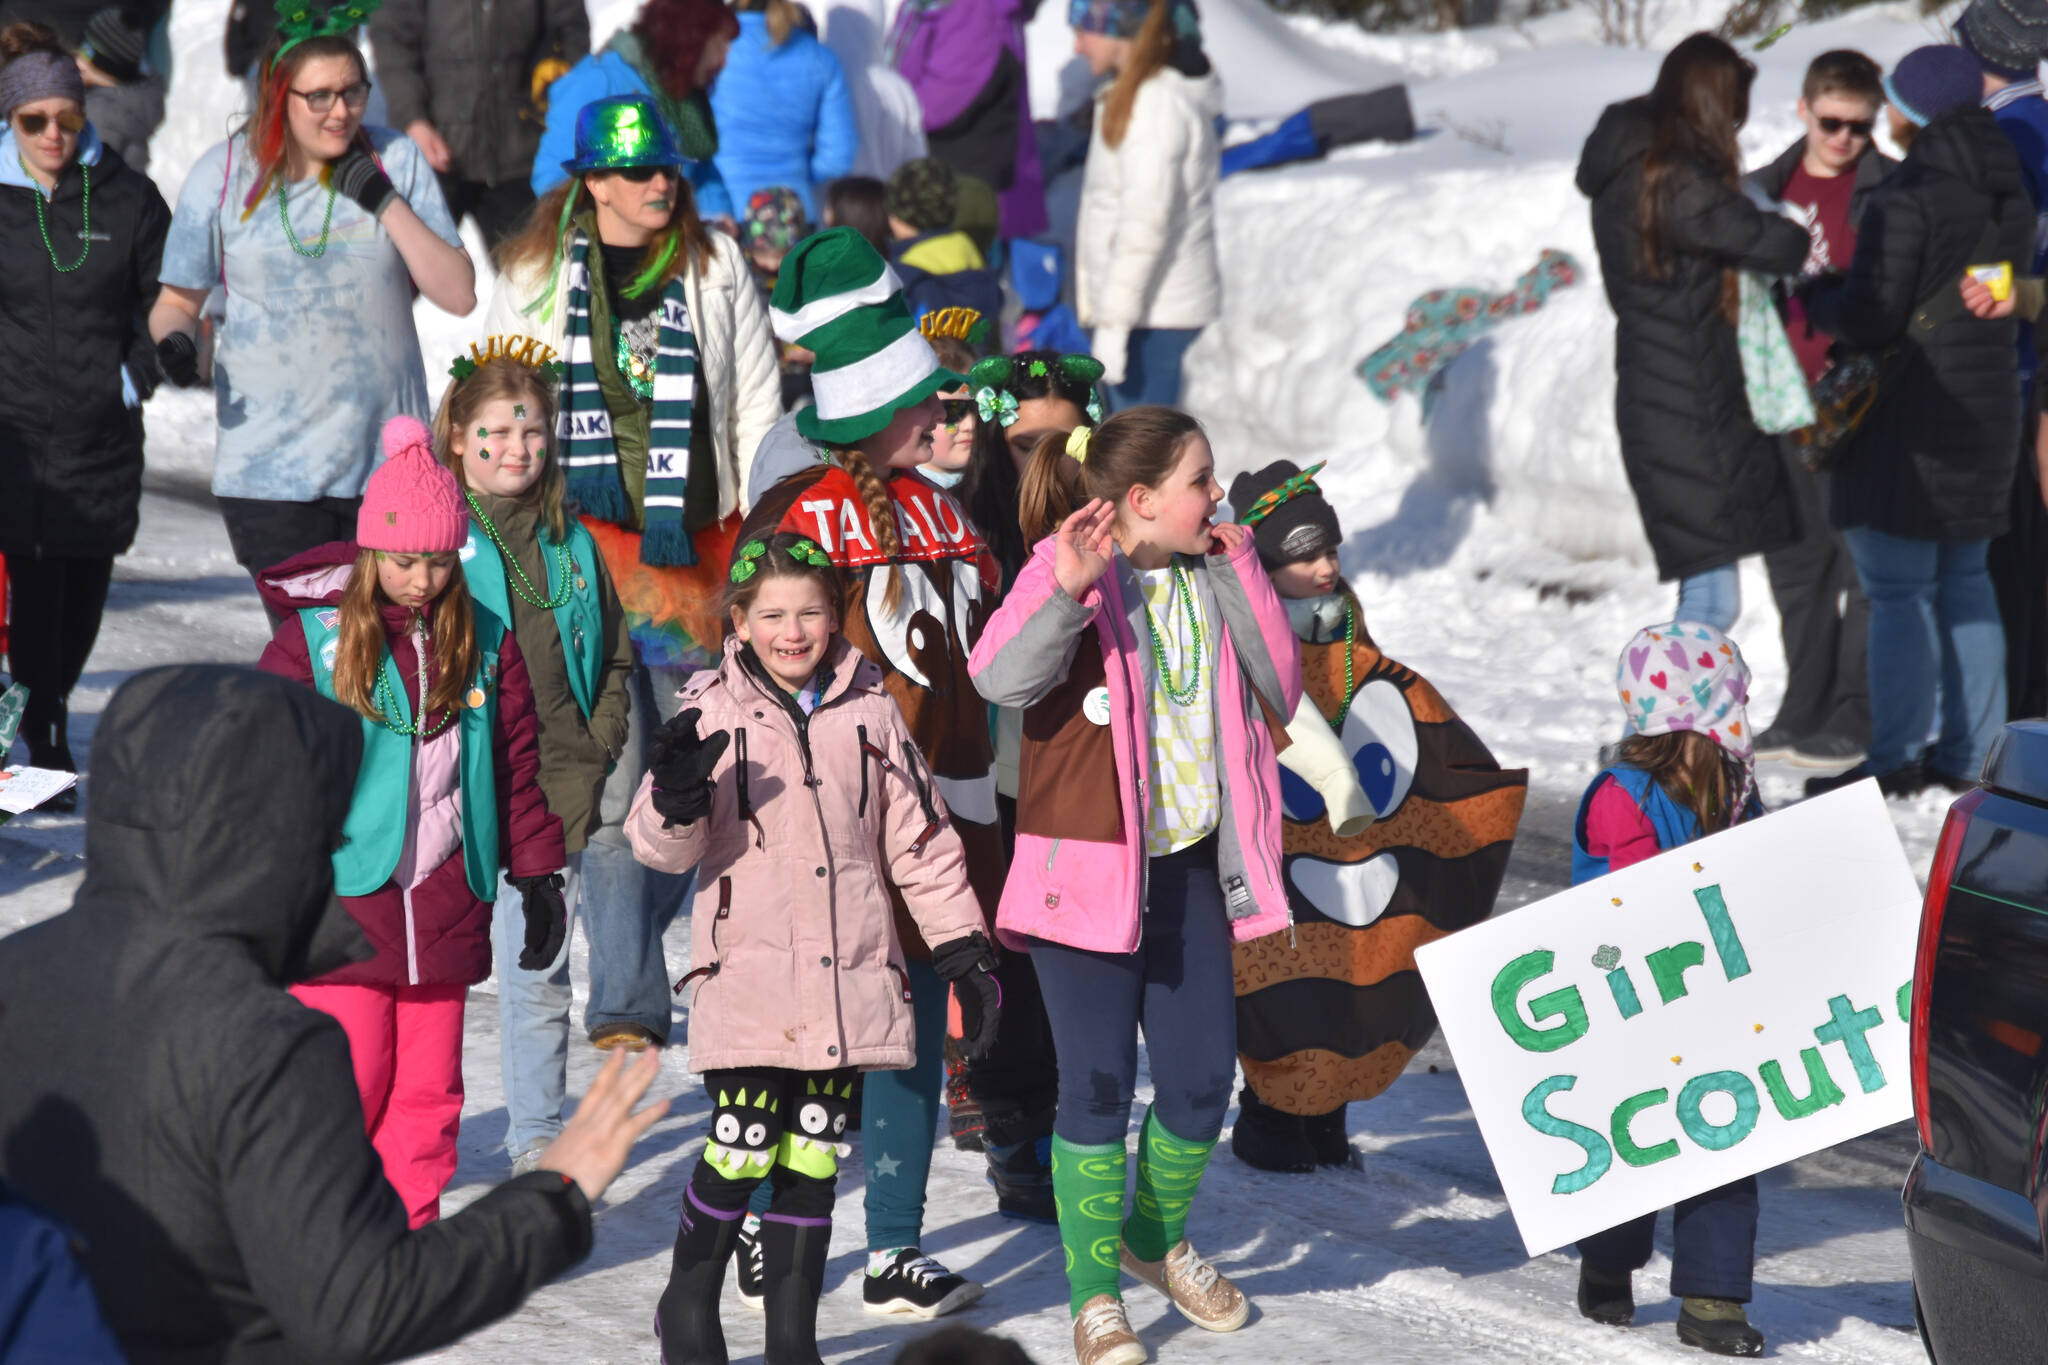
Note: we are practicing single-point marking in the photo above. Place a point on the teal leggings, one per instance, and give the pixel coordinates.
(899, 1121)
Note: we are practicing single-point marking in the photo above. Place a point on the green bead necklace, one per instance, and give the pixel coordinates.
(1189, 688)
(43, 226)
(1350, 686)
(387, 705)
(521, 584)
(326, 222)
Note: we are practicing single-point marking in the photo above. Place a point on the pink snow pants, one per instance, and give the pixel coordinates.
(406, 1044)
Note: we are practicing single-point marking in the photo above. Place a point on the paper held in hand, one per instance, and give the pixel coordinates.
(1709, 1013)
(23, 789)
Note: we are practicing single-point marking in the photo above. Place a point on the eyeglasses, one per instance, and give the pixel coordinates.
(320, 101)
(640, 175)
(957, 410)
(1858, 127)
(32, 125)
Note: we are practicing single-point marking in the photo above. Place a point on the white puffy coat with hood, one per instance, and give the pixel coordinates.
(1145, 247)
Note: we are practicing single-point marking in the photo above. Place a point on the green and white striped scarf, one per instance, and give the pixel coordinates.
(590, 455)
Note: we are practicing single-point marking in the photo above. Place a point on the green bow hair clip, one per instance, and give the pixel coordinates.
(993, 380)
(807, 552)
(746, 561)
(996, 405)
(298, 20)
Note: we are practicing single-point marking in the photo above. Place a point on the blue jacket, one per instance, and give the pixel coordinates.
(2024, 121)
(784, 115)
(48, 1311)
(1674, 824)
(598, 75)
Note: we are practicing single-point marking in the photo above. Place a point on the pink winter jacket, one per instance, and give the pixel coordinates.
(812, 820)
(1080, 888)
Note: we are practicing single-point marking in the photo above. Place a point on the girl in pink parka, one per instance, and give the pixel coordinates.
(1153, 661)
(790, 782)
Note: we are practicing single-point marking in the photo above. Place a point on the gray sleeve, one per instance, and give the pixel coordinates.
(1034, 660)
(782, 452)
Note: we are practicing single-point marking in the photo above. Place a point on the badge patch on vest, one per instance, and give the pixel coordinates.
(328, 651)
(328, 618)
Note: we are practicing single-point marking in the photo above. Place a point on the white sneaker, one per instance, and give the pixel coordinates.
(1103, 1335)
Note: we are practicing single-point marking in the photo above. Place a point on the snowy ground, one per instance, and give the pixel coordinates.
(1497, 552)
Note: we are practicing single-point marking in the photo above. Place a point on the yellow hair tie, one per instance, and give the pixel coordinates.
(1077, 443)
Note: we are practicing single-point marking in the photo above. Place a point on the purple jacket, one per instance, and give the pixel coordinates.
(950, 52)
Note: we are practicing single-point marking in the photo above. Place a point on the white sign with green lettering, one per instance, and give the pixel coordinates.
(1712, 1012)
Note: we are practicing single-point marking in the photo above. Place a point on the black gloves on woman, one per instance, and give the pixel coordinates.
(356, 174)
(177, 356)
(547, 920)
(682, 765)
(969, 963)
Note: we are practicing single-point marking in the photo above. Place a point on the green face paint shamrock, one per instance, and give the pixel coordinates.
(519, 409)
(483, 431)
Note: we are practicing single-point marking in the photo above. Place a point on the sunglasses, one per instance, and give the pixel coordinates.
(32, 125)
(640, 175)
(958, 410)
(353, 96)
(1859, 127)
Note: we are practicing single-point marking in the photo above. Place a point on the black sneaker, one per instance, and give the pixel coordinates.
(917, 1286)
(748, 1266)
(1825, 751)
(1607, 1298)
(1775, 741)
(1718, 1327)
(1022, 1175)
(1906, 781)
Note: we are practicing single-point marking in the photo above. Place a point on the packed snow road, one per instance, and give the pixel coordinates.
(1411, 1256)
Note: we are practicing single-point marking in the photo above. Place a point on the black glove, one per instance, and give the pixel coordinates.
(682, 765)
(969, 963)
(357, 175)
(547, 920)
(177, 355)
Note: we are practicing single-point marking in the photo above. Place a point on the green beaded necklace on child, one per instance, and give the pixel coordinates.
(520, 583)
(1184, 692)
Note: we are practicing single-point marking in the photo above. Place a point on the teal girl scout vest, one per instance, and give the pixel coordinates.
(580, 619)
(374, 833)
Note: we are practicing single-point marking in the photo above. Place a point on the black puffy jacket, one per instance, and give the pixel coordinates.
(70, 449)
(466, 66)
(1711, 487)
(169, 1102)
(1935, 458)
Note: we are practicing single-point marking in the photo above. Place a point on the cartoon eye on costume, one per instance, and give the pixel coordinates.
(916, 628)
(969, 606)
(757, 1134)
(1350, 893)
(1379, 734)
(813, 1119)
(727, 1129)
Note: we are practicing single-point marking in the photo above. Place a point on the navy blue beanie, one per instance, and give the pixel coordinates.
(1930, 81)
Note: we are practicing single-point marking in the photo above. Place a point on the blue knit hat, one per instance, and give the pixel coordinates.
(1930, 81)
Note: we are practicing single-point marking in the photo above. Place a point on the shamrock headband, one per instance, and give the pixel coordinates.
(1265, 504)
(961, 324)
(992, 382)
(747, 561)
(298, 20)
(528, 351)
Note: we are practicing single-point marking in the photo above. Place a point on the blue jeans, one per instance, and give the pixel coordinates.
(628, 907)
(899, 1120)
(1152, 367)
(1712, 597)
(533, 1018)
(1934, 630)
(1713, 1243)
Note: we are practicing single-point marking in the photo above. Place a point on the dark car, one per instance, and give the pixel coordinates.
(1977, 1195)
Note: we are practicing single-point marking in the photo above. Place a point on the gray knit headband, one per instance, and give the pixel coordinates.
(38, 76)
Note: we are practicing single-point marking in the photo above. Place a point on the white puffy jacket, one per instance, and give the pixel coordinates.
(1145, 247)
(737, 369)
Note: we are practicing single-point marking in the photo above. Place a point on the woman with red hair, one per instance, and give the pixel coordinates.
(672, 52)
(319, 229)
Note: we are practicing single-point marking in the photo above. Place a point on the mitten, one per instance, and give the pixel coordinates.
(1317, 756)
(357, 175)
(682, 764)
(547, 920)
(969, 963)
(1111, 346)
(177, 355)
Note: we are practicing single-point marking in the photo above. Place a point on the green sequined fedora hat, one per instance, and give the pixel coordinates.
(620, 132)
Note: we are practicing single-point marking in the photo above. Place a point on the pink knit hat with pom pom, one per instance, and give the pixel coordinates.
(412, 504)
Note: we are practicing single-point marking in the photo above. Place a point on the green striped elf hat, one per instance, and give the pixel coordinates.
(837, 298)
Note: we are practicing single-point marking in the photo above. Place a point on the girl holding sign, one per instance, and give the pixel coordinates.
(1150, 653)
(1685, 771)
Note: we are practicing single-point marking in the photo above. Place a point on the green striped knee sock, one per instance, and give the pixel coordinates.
(1169, 1170)
(1088, 1188)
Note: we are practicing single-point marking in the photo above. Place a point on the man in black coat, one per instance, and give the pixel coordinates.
(1710, 486)
(194, 1125)
(1927, 481)
(1824, 180)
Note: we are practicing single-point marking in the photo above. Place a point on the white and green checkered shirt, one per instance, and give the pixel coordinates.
(1185, 804)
